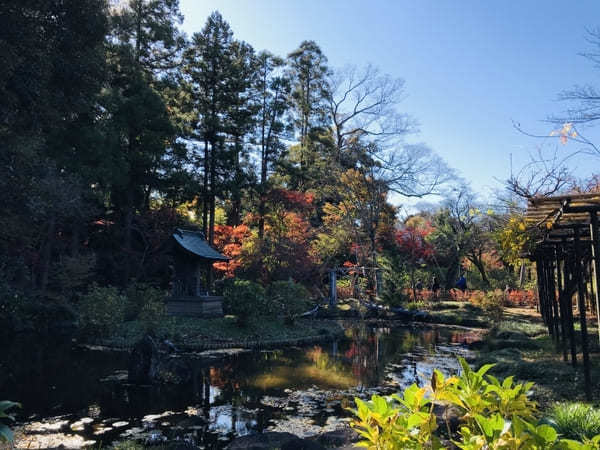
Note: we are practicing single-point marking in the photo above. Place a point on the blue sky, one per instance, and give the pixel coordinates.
(471, 67)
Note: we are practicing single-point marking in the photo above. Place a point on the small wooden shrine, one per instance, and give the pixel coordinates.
(191, 285)
(567, 257)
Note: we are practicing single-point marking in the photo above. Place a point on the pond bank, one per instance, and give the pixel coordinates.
(194, 334)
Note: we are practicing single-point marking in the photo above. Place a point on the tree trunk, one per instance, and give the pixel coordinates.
(205, 193)
(47, 254)
(213, 176)
(479, 265)
(236, 195)
(128, 244)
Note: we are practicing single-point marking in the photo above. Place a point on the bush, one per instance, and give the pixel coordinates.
(575, 420)
(287, 298)
(518, 297)
(490, 302)
(493, 414)
(102, 309)
(244, 299)
(457, 295)
(146, 303)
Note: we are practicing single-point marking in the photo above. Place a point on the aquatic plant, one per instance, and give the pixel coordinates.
(493, 414)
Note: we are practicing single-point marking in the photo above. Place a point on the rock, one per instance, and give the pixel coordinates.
(272, 441)
(149, 365)
(143, 361)
(337, 438)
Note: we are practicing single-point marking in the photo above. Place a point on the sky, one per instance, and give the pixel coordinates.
(471, 68)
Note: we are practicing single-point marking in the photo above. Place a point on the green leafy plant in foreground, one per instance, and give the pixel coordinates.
(494, 414)
(6, 434)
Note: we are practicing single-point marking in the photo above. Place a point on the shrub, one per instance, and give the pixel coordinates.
(146, 303)
(344, 289)
(490, 302)
(245, 299)
(575, 420)
(494, 414)
(287, 298)
(415, 306)
(459, 296)
(101, 309)
(518, 297)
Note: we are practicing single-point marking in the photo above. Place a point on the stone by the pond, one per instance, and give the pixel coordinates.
(150, 363)
(337, 438)
(272, 440)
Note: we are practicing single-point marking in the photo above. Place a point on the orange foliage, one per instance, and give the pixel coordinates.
(518, 297)
(228, 241)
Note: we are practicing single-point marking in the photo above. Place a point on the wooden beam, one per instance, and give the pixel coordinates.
(595, 244)
(581, 209)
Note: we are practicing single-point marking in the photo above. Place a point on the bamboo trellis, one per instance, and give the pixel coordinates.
(567, 257)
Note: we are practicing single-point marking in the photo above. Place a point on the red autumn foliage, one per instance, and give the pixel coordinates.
(229, 240)
(411, 241)
(291, 200)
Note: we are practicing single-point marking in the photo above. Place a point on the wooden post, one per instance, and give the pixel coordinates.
(332, 287)
(568, 305)
(561, 303)
(378, 282)
(582, 313)
(552, 297)
(596, 264)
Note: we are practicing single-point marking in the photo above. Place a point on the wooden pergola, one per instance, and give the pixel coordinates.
(567, 259)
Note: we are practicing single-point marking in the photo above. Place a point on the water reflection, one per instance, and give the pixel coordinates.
(301, 390)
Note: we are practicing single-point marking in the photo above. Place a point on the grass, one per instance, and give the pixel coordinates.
(519, 345)
(575, 420)
(196, 331)
(458, 313)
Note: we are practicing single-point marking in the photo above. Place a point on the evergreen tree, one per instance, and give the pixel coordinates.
(273, 89)
(308, 71)
(219, 70)
(53, 59)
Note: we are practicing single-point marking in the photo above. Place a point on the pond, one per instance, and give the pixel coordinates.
(81, 397)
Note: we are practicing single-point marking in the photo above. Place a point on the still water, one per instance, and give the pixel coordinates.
(81, 397)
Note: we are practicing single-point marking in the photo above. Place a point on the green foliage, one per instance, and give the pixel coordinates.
(102, 309)
(495, 414)
(287, 298)
(245, 299)
(146, 303)
(575, 420)
(6, 434)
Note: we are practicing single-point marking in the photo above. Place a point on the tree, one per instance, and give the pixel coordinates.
(147, 31)
(412, 243)
(240, 122)
(362, 105)
(53, 71)
(214, 64)
(308, 70)
(273, 90)
(139, 132)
